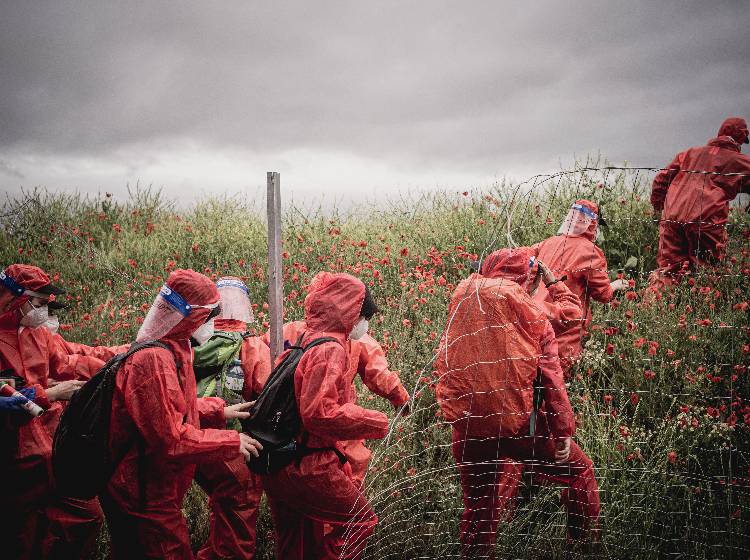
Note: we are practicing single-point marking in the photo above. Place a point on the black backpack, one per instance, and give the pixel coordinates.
(275, 420)
(81, 460)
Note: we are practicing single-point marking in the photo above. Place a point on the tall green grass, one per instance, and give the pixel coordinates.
(671, 461)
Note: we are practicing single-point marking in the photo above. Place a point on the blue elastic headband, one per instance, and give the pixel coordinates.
(581, 208)
(229, 283)
(14, 287)
(175, 300)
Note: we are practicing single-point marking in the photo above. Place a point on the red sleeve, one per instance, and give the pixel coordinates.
(156, 403)
(211, 412)
(597, 277)
(373, 369)
(662, 180)
(64, 366)
(40, 396)
(556, 404)
(255, 357)
(565, 305)
(103, 353)
(320, 407)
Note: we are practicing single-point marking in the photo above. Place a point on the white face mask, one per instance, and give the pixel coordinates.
(36, 317)
(360, 329)
(52, 324)
(203, 333)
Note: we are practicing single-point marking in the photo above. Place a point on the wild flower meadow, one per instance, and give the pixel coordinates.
(660, 394)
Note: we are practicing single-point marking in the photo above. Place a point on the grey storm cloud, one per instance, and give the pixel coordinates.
(462, 85)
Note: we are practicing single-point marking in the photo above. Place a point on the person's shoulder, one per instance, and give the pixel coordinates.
(148, 357)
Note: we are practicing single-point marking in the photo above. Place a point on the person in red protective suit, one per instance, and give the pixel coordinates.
(157, 425)
(560, 306)
(319, 490)
(235, 492)
(366, 359)
(41, 523)
(498, 344)
(694, 207)
(574, 258)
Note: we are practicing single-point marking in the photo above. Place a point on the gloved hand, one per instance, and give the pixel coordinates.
(619, 284)
(13, 404)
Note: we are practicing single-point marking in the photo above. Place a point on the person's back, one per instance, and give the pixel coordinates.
(693, 194)
(704, 196)
(486, 375)
(573, 255)
(496, 348)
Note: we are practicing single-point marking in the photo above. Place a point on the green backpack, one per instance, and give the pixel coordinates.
(218, 370)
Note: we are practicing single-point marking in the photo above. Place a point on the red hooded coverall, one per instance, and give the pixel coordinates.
(36, 522)
(366, 359)
(496, 341)
(157, 418)
(234, 491)
(585, 266)
(320, 490)
(560, 306)
(695, 206)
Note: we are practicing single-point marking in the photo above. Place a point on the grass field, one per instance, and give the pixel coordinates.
(660, 394)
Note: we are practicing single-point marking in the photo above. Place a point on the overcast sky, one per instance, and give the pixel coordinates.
(355, 98)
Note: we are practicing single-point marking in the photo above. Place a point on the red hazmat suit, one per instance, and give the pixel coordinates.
(36, 522)
(234, 491)
(695, 206)
(560, 306)
(584, 264)
(320, 490)
(366, 359)
(495, 345)
(156, 421)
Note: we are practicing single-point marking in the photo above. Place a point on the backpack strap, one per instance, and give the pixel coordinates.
(303, 450)
(537, 402)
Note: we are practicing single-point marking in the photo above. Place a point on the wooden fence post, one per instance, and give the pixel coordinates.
(275, 273)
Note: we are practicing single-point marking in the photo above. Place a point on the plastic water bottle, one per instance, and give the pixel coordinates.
(235, 378)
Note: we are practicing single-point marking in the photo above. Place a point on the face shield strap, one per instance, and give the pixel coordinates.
(11, 285)
(232, 284)
(178, 302)
(586, 211)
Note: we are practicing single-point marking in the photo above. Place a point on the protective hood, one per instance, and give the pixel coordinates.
(183, 304)
(517, 265)
(582, 220)
(726, 143)
(20, 281)
(334, 302)
(736, 128)
(235, 303)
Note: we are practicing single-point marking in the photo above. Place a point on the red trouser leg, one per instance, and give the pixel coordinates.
(581, 500)
(74, 526)
(158, 532)
(320, 491)
(486, 492)
(234, 499)
(482, 465)
(707, 244)
(674, 247)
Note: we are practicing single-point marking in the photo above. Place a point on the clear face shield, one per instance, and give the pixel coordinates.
(168, 309)
(235, 303)
(577, 222)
